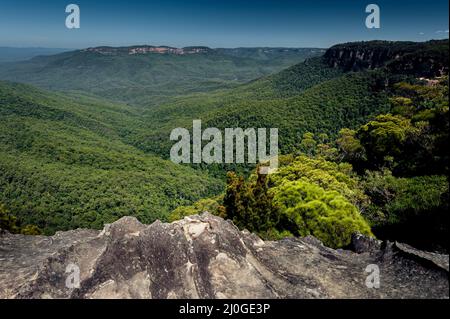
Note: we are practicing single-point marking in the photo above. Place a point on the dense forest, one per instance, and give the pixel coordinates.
(63, 164)
(145, 80)
(387, 178)
(364, 141)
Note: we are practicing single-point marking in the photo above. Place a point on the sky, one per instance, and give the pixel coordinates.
(218, 23)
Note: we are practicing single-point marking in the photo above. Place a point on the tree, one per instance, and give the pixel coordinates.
(249, 203)
(385, 137)
(7, 221)
(210, 205)
(308, 209)
(31, 230)
(413, 210)
(308, 144)
(10, 223)
(350, 147)
(329, 175)
(323, 138)
(263, 212)
(235, 199)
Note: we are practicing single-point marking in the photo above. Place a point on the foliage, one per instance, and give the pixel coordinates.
(412, 209)
(411, 141)
(308, 209)
(211, 205)
(344, 101)
(350, 147)
(290, 202)
(148, 79)
(7, 222)
(249, 204)
(10, 223)
(64, 164)
(403, 160)
(369, 145)
(385, 137)
(330, 176)
(308, 144)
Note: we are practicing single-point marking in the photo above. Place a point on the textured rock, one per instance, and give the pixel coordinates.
(207, 257)
(428, 59)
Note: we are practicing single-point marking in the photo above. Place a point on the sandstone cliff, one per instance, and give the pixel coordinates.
(208, 257)
(428, 59)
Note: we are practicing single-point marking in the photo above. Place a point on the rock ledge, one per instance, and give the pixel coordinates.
(208, 257)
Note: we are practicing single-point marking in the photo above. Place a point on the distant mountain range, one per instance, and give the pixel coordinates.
(146, 75)
(9, 54)
(146, 49)
(258, 53)
(321, 94)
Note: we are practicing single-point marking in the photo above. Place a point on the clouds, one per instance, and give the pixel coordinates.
(440, 32)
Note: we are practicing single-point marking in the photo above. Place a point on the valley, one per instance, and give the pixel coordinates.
(64, 165)
(86, 140)
(225, 158)
(145, 76)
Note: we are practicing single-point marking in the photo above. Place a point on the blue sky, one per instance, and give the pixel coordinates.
(218, 23)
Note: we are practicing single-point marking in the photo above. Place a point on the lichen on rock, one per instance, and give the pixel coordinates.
(208, 257)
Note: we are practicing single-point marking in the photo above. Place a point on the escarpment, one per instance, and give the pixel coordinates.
(426, 59)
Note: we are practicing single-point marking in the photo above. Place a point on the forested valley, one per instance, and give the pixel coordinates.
(363, 142)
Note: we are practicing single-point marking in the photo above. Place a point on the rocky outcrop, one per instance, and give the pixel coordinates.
(208, 257)
(427, 59)
(146, 49)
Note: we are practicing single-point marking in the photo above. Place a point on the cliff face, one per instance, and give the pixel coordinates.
(428, 59)
(208, 257)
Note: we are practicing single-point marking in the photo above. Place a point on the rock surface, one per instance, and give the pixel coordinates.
(208, 257)
(428, 59)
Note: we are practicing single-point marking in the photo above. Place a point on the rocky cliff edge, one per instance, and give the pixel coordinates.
(208, 257)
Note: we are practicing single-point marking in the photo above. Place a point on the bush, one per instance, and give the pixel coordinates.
(328, 175)
(306, 196)
(308, 209)
(7, 222)
(210, 205)
(249, 204)
(10, 223)
(413, 210)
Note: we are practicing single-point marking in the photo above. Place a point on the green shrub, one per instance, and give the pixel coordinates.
(211, 205)
(308, 209)
(413, 210)
(326, 174)
(10, 223)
